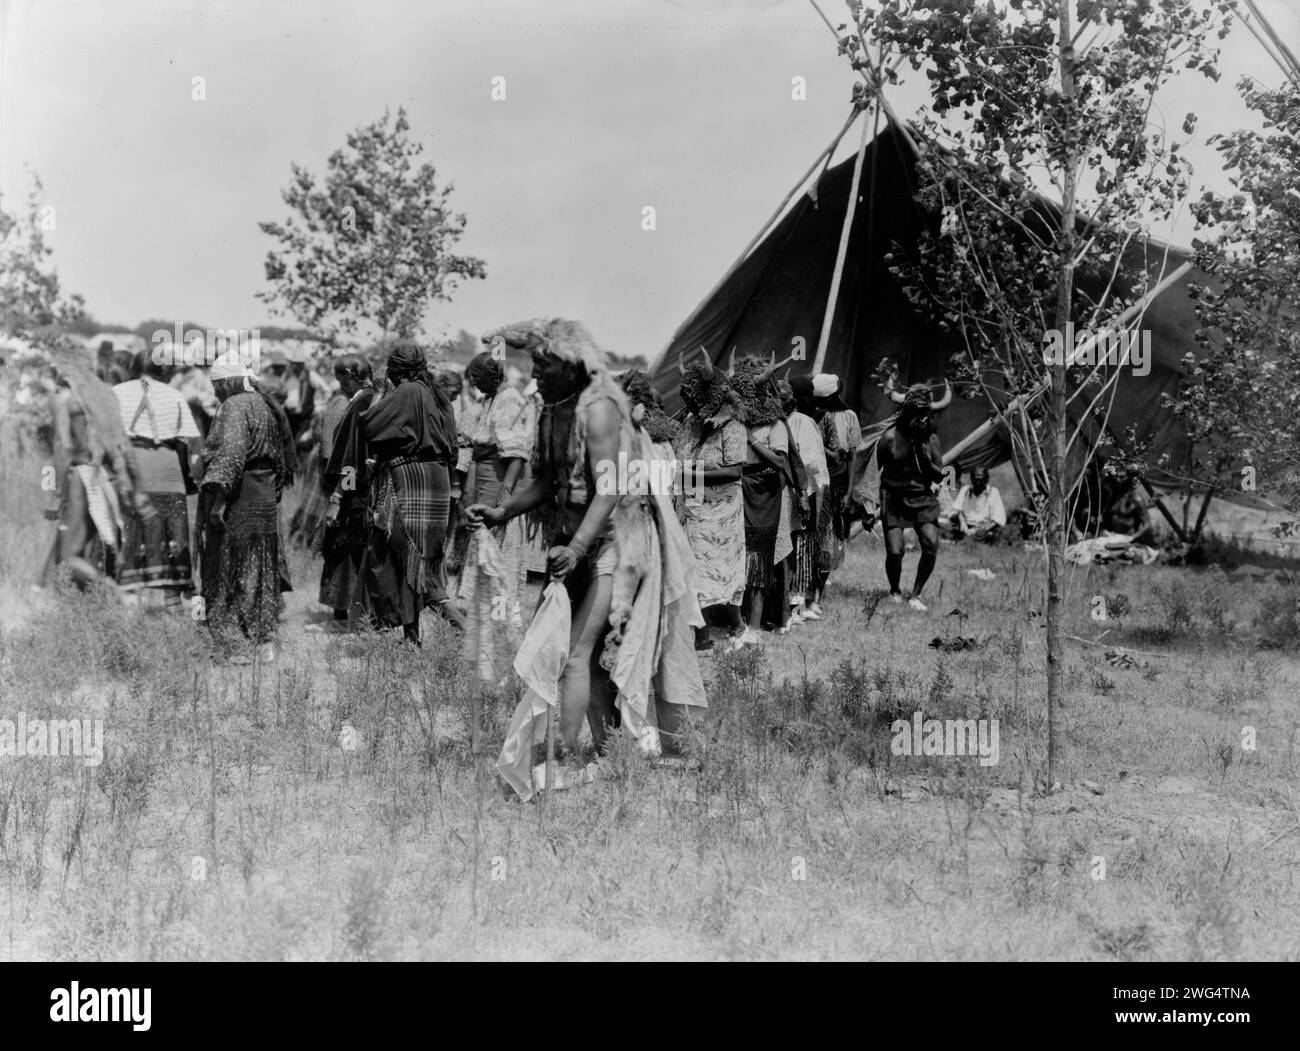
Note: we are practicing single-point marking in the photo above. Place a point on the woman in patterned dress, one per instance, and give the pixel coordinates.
(245, 468)
(492, 576)
(713, 441)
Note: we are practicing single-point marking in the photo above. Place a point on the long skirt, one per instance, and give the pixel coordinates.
(239, 562)
(307, 527)
(342, 548)
(762, 486)
(156, 553)
(491, 581)
(715, 528)
(803, 562)
(402, 566)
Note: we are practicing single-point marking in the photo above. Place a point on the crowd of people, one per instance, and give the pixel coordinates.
(428, 489)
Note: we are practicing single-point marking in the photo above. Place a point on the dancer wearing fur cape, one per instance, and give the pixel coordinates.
(624, 563)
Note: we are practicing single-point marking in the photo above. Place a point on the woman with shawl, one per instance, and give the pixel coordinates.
(766, 479)
(712, 443)
(345, 483)
(245, 468)
(307, 528)
(411, 434)
(492, 574)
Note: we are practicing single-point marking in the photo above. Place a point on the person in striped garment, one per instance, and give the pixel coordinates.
(156, 551)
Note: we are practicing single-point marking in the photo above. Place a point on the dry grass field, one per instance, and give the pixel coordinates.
(226, 820)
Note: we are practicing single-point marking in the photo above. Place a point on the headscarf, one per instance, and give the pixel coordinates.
(406, 362)
(827, 388)
(231, 376)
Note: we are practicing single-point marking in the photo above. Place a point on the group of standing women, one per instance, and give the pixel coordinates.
(771, 516)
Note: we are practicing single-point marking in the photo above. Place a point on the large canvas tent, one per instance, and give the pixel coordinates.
(777, 294)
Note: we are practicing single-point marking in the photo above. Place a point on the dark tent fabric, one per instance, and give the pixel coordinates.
(777, 296)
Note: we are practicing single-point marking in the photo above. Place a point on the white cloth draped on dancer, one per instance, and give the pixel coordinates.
(651, 641)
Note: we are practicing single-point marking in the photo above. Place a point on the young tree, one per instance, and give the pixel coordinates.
(1240, 398)
(372, 243)
(1058, 94)
(29, 286)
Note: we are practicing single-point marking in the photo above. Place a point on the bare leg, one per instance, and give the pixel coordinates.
(894, 558)
(75, 533)
(578, 685)
(928, 535)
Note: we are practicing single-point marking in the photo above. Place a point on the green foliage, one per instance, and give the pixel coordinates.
(1004, 121)
(29, 287)
(1241, 395)
(372, 242)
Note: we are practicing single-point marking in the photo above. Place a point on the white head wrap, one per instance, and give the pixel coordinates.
(229, 366)
(825, 384)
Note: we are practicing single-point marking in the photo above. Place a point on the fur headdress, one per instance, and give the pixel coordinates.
(648, 408)
(560, 337)
(760, 402)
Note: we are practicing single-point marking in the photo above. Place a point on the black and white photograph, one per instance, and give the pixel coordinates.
(651, 481)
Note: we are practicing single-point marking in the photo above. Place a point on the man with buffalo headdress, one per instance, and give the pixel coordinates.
(621, 556)
(911, 464)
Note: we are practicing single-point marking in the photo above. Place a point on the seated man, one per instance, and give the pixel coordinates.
(1128, 515)
(977, 510)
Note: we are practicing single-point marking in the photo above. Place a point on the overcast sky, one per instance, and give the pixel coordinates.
(610, 107)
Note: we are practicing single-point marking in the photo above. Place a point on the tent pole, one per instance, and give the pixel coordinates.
(1024, 400)
(1290, 66)
(845, 230)
(1160, 505)
(821, 157)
